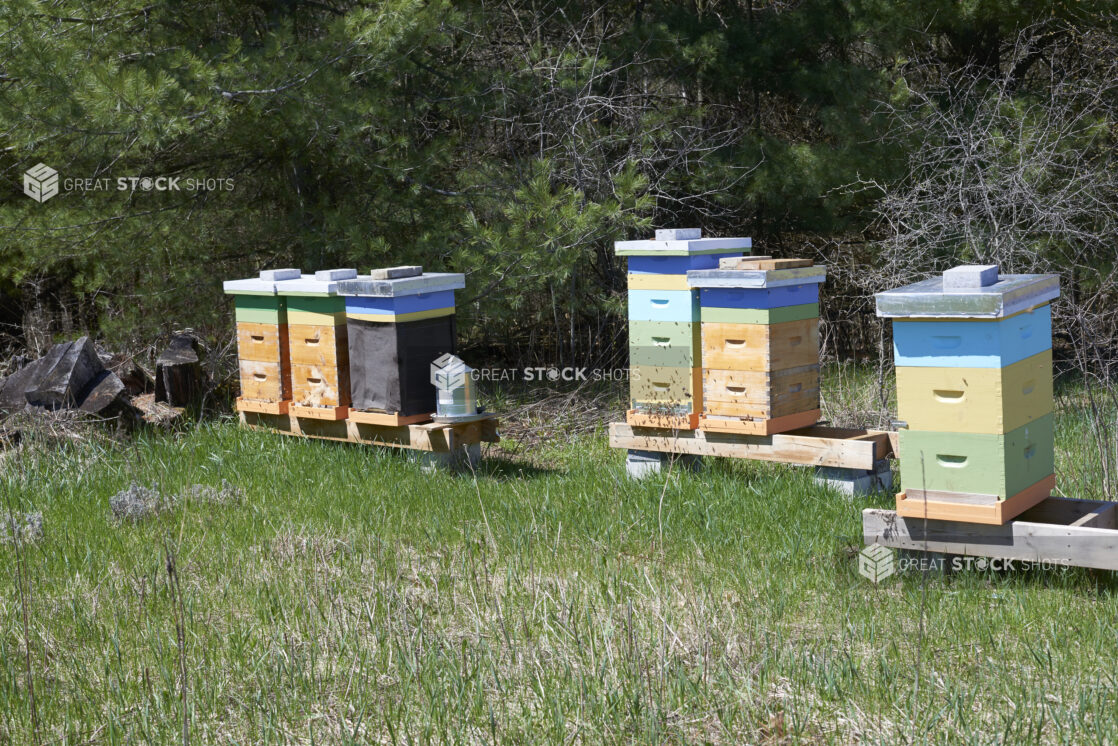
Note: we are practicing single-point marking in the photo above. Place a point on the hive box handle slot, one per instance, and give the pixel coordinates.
(949, 397)
(735, 343)
(659, 386)
(315, 381)
(738, 390)
(257, 337)
(260, 376)
(661, 341)
(947, 342)
(795, 388)
(953, 462)
(1028, 387)
(659, 301)
(311, 340)
(1030, 451)
(793, 341)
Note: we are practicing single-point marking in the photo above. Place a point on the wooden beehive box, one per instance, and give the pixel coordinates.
(400, 320)
(665, 376)
(318, 342)
(263, 352)
(760, 344)
(974, 387)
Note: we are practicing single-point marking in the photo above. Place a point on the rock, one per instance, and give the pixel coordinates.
(108, 397)
(65, 375)
(178, 372)
(12, 388)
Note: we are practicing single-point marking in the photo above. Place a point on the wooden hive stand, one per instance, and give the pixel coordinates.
(853, 460)
(435, 444)
(1059, 531)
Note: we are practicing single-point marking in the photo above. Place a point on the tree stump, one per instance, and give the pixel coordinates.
(178, 372)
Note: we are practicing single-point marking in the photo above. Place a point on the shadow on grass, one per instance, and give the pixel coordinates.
(504, 469)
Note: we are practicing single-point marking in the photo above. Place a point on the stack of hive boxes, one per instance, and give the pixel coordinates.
(262, 342)
(316, 327)
(400, 321)
(974, 388)
(760, 344)
(665, 374)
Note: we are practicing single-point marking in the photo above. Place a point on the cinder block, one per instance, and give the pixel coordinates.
(857, 481)
(273, 275)
(970, 276)
(462, 458)
(331, 275)
(678, 234)
(394, 273)
(641, 464)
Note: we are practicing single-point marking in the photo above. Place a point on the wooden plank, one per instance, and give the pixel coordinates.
(815, 449)
(319, 413)
(760, 427)
(387, 418)
(1025, 540)
(263, 407)
(757, 262)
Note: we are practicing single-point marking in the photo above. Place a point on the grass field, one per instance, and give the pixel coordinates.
(345, 596)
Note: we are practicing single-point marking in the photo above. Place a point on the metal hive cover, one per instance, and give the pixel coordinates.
(928, 299)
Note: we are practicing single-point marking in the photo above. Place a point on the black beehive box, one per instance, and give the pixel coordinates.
(390, 363)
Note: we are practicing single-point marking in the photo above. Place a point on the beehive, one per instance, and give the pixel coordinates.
(759, 321)
(974, 388)
(262, 344)
(318, 342)
(665, 377)
(400, 320)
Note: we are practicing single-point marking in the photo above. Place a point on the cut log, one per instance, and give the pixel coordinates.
(65, 375)
(108, 397)
(178, 372)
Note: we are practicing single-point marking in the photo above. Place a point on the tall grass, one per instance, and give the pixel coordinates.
(352, 597)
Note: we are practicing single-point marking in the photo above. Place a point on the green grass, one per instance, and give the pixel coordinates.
(352, 598)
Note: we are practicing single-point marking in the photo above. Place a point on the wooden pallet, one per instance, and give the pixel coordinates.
(1059, 531)
(430, 436)
(810, 446)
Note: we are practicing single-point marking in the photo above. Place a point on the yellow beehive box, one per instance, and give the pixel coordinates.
(975, 400)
